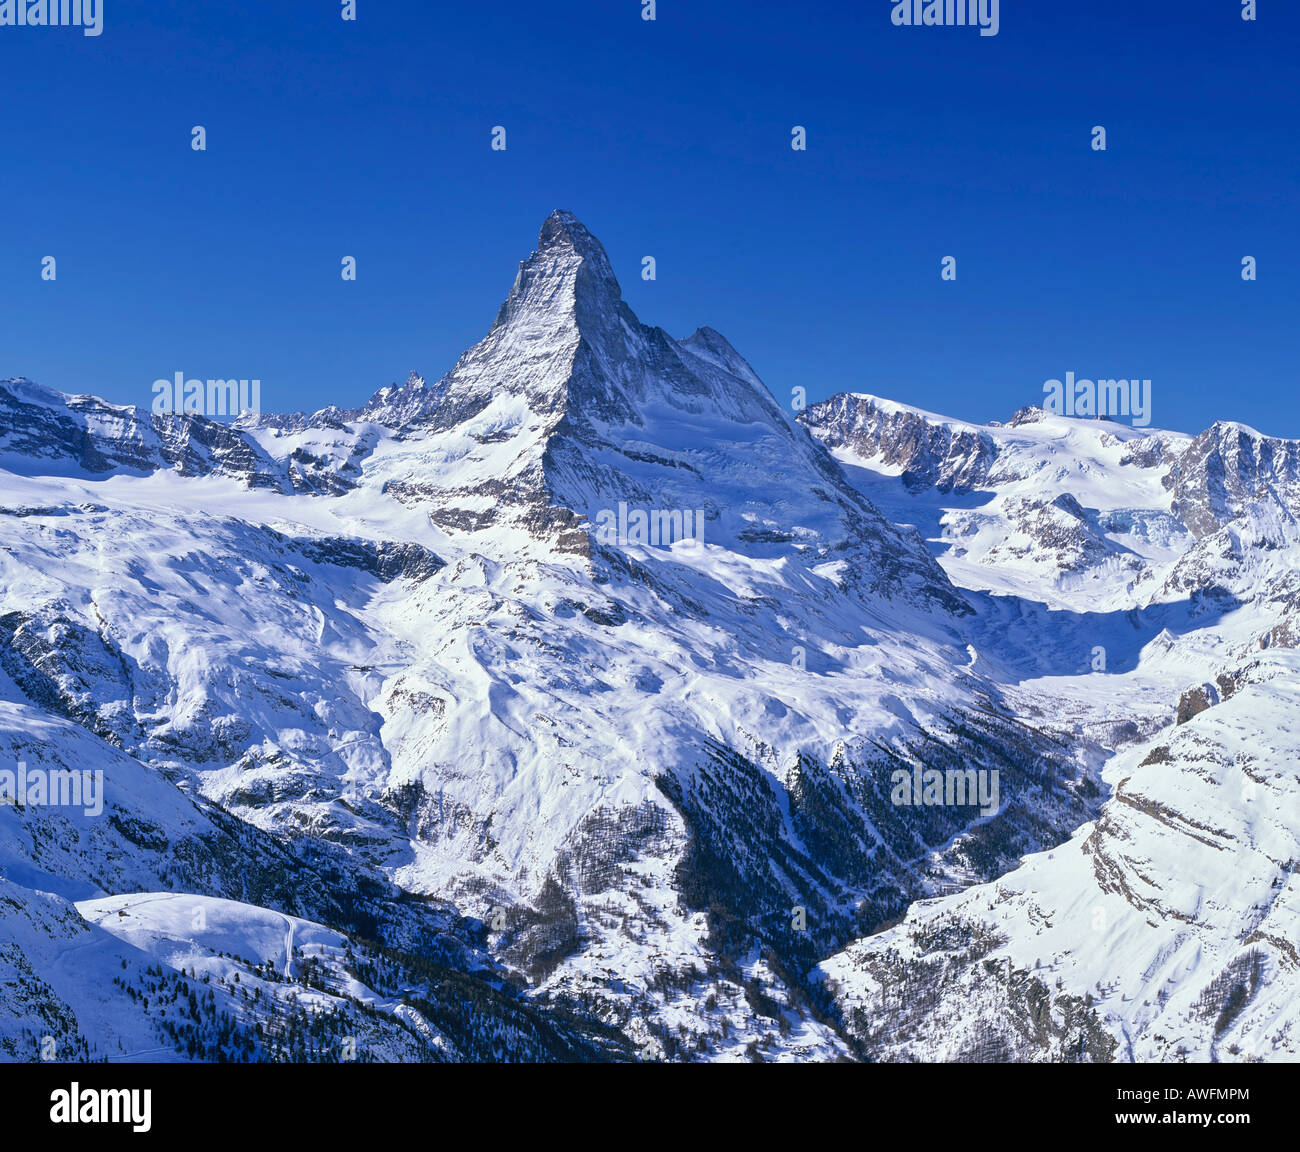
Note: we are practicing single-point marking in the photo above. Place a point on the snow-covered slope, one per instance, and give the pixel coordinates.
(408, 679)
(1165, 930)
(1076, 509)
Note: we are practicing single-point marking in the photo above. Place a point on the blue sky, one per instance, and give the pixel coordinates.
(671, 139)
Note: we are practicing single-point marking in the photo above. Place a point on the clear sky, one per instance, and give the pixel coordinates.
(670, 139)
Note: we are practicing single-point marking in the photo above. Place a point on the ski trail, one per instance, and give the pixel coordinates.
(289, 948)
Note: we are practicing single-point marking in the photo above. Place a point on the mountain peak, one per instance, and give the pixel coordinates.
(563, 232)
(569, 272)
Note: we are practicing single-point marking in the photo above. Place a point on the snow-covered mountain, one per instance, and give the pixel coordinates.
(1144, 584)
(555, 710)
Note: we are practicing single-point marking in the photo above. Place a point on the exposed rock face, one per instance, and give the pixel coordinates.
(1228, 469)
(385, 560)
(929, 452)
(86, 433)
